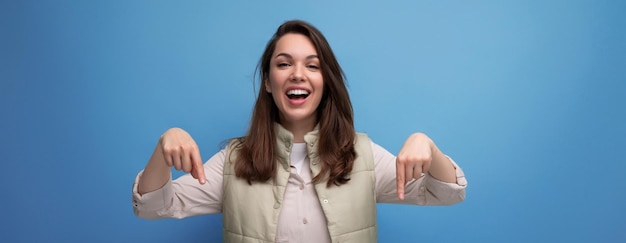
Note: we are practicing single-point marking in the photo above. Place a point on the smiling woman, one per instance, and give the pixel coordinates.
(296, 83)
(301, 173)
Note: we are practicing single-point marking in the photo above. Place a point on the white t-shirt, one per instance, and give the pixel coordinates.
(298, 154)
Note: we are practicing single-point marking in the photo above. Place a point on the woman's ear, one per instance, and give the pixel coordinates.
(268, 87)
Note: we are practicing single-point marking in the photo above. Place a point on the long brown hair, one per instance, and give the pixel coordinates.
(256, 160)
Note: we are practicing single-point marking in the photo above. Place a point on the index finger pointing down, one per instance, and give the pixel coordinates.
(400, 180)
(197, 167)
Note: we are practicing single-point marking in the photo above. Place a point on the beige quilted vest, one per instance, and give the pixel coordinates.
(250, 212)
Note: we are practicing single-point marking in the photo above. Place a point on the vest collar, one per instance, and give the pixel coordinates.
(284, 140)
(285, 137)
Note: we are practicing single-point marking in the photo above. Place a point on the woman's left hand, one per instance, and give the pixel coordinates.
(413, 160)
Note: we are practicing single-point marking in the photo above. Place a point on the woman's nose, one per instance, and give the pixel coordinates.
(298, 73)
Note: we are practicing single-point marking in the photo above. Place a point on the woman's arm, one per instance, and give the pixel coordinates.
(419, 155)
(425, 190)
(156, 196)
(175, 148)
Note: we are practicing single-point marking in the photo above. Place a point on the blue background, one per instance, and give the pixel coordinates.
(527, 96)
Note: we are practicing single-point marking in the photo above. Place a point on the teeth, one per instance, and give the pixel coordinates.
(297, 92)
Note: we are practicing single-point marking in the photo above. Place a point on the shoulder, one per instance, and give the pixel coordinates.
(365, 157)
(362, 137)
(364, 141)
(232, 148)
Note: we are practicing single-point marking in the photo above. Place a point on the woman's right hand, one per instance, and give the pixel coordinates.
(182, 152)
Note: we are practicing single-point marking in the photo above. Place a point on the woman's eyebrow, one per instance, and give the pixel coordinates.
(290, 57)
(283, 55)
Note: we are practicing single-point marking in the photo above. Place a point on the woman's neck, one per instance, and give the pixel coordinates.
(299, 129)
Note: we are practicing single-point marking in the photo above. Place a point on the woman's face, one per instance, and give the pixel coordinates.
(295, 80)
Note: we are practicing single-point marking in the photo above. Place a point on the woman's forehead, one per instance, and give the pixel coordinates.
(295, 45)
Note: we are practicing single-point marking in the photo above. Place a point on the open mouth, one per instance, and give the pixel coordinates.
(297, 94)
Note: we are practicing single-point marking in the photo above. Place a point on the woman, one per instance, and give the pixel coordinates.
(301, 173)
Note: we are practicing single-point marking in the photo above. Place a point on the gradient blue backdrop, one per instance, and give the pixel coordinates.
(527, 96)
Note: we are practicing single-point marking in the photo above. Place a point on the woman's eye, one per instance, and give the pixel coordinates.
(313, 67)
(283, 65)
